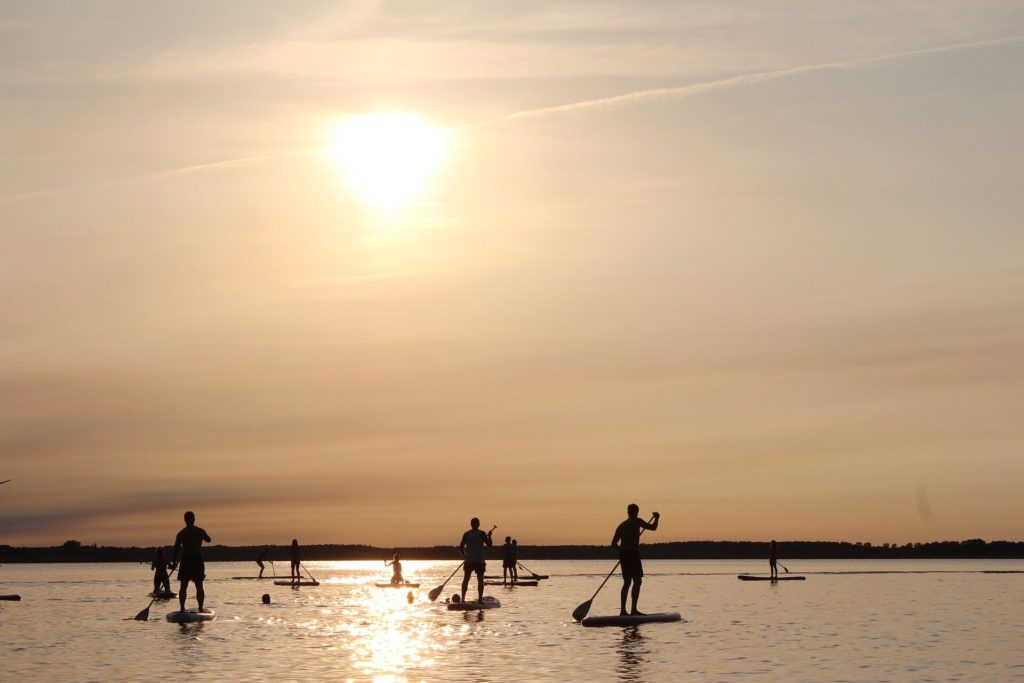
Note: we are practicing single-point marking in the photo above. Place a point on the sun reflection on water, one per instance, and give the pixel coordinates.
(392, 639)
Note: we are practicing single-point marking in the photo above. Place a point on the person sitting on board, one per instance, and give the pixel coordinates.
(773, 559)
(190, 541)
(296, 562)
(627, 541)
(159, 565)
(259, 561)
(515, 560)
(472, 549)
(396, 569)
(508, 561)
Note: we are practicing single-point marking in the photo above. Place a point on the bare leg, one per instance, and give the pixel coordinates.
(623, 595)
(636, 594)
(480, 585)
(201, 595)
(182, 594)
(465, 585)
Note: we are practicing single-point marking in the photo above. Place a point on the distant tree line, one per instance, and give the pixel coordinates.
(74, 551)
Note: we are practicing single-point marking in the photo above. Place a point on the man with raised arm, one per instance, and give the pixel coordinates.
(472, 549)
(627, 541)
(190, 542)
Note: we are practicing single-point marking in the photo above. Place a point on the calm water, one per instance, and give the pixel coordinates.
(75, 624)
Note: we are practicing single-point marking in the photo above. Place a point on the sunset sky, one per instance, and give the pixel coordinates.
(356, 272)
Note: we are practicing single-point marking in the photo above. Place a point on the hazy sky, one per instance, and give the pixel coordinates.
(756, 265)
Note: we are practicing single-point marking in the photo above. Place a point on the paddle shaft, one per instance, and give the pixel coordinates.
(530, 570)
(437, 591)
(144, 614)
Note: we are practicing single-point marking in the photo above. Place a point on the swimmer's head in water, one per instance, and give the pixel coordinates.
(475, 522)
(456, 598)
(633, 510)
(190, 517)
(266, 598)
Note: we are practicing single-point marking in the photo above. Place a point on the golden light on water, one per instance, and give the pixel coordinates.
(388, 158)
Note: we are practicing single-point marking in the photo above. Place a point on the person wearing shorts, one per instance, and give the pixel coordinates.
(627, 541)
(190, 542)
(472, 549)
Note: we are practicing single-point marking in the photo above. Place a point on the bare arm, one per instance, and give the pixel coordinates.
(462, 546)
(651, 526)
(177, 545)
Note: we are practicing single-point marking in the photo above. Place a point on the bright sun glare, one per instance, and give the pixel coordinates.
(388, 157)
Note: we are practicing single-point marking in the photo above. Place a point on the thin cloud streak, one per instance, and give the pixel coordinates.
(680, 92)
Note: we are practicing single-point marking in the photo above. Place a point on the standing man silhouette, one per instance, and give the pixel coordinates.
(627, 541)
(190, 541)
(773, 560)
(472, 549)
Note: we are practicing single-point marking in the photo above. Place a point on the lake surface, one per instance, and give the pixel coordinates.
(917, 620)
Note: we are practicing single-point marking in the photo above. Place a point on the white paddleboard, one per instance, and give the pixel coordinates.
(191, 616)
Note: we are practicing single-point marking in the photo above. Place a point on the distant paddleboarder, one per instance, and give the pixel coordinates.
(508, 561)
(396, 569)
(190, 541)
(296, 561)
(159, 565)
(515, 560)
(773, 559)
(627, 541)
(259, 560)
(472, 549)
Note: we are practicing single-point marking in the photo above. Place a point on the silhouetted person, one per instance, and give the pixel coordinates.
(627, 541)
(259, 560)
(396, 569)
(472, 549)
(773, 559)
(508, 561)
(190, 541)
(515, 560)
(296, 561)
(159, 566)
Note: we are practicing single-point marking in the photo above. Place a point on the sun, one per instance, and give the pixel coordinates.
(388, 158)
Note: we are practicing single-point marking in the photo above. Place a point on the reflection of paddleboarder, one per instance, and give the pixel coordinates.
(190, 541)
(259, 560)
(396, 569)
(627, 541)
(159, 566)
(773, 559)
(472, 549)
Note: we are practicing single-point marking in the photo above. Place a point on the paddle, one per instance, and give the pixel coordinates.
(527, 568)
(144, 614)
(581, 611)
(437, 591)
(307, 573)
(782, 565)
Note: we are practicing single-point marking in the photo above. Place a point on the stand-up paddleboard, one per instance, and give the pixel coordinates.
(304, 582)
(384, 584)
(490, 602)
(163, 595)
(523, 577)
(252, 578)
(510, 583)
(631, 619)
(10, 597)
(191, 616)
(787, 577)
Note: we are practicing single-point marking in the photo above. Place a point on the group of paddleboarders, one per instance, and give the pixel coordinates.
(510, 560)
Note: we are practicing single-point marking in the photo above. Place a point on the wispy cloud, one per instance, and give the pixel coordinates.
(679, 92)
(212, 167)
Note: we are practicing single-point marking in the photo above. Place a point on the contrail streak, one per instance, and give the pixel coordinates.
(679, 92)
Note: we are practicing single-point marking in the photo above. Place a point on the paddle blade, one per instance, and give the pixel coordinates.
(143, 615)
(435, 593)
(581, 611)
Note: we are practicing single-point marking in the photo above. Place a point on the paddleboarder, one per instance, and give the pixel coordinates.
(515, 560)
(259, 560)
(508, 561)
(396, 569)
(773, 559)
(159, 566)
(296, 562)
(627, 541)
(472, 549)
(190, 541)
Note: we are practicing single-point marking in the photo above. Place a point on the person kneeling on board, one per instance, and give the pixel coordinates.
(627, 541)
(472, 549)
(159, 565)
(396, 569)
(190, 541)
